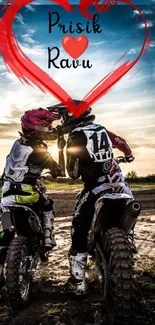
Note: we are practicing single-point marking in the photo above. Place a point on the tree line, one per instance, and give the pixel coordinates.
(132, 177)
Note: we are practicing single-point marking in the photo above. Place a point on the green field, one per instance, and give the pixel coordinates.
(69, 186)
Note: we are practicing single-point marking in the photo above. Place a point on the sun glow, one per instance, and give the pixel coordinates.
(53, 149)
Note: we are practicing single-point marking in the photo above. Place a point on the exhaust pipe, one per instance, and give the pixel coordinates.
(34, 224)
(132, 212)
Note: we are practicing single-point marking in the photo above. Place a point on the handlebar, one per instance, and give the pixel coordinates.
(49, 174)
(120, 159)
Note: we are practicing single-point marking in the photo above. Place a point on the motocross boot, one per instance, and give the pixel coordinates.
(77, 281)
(49, 239)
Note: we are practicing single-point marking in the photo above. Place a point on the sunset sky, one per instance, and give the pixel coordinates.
(127, 110)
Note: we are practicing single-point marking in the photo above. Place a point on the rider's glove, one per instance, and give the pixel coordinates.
(59, 171)
(129, 158)
(61, 143)
(55, 170)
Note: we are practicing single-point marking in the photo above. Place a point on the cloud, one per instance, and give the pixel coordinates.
(147, 12)
(152, 44)
(132, 51)
(135, 12)
(97, 43)
(101, 66)
(30, 7)
(144, 12)
(28, 39)
(19, 18)
(8, 130)
(2, 66)
(148, 23)
(35, 50)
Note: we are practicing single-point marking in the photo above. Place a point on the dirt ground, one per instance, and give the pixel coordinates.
(49, 305)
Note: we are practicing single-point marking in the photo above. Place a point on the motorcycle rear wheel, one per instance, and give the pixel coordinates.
(18, 285)
(119, 259)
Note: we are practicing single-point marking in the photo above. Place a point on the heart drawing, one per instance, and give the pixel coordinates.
(28, 72)
(75, 47)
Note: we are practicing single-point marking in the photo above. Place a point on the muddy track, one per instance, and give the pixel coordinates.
(50, 305)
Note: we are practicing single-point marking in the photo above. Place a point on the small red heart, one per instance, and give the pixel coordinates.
(75, 46)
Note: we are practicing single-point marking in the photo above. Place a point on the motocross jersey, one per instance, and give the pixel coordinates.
(26, 161)
(90, 152)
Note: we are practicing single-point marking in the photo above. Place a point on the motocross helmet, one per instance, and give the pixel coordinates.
(68, 120)
(36, 124)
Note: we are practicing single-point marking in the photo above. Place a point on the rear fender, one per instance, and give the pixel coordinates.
(6, 220)
(17, 217)
(114, 196)
(20, 218)
(110, 197)
(8, 234)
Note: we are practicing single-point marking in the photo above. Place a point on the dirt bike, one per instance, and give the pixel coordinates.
(115, 215)
(25, 250)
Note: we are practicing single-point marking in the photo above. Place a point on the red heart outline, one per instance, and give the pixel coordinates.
(28, 72)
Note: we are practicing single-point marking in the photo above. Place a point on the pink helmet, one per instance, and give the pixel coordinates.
(37, 123)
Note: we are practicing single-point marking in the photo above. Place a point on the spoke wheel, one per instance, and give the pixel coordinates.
(121, 279)
(18, 280)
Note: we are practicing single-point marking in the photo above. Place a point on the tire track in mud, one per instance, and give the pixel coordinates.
(50, 305)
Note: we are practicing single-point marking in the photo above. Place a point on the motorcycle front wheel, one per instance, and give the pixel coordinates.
(18, 279)
(119, 260)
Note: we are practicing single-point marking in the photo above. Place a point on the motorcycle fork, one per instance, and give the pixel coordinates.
(29, 265)
(102, 269)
